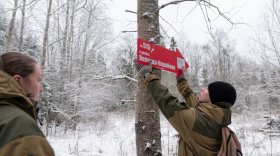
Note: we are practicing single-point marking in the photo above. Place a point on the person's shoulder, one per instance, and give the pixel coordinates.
(12, 112)
(15, 124)
(18, 122)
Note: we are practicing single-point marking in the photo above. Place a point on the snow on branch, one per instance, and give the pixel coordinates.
(115, 77)
(55, 109)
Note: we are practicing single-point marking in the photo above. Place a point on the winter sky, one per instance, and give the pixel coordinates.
(187, 19)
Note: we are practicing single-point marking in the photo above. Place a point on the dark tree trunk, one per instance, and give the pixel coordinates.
(147, 122)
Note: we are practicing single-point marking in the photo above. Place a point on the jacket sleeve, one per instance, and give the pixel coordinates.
(28, 145)
(188, 94)
(178, 114)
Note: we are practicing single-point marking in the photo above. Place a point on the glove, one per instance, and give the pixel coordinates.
(149, 73)
(146, 70)
(180, 75)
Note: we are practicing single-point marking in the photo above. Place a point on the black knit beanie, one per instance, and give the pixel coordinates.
(221, 92)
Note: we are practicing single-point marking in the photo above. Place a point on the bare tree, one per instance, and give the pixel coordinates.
(195, 60)
(3, 26)
(22, 25)
(11, 27)
(83, 65)
(46, 33)
(124, 66)
(71, 38)
(268, 36)
(204, 6)
(220, 53)
(268, 52)
(147, 126)
(78, 46)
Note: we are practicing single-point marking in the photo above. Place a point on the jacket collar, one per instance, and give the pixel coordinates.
(222, 115)
(12, 93)
(223, 105)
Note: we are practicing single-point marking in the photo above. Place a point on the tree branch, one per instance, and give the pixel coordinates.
(116, 77)
(169, 24)
(172, 3)
(131, 11)
(206, 3)
(128, 31)
(220, 13)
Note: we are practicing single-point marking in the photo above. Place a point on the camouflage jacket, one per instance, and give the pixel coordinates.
(19, 133)
(198, 124)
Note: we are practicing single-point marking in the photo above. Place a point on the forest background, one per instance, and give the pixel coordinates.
(90, 80)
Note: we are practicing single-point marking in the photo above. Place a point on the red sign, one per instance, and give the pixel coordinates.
(161, 57)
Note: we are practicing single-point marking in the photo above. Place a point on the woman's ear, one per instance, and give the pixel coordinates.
(17, 78)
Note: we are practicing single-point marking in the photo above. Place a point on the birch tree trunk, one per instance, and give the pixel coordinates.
(44, 51)
(11, 28)
(147, 126)
(74, 106)
(70, 39)
(64, 52)
(22, 25)
(63, 65)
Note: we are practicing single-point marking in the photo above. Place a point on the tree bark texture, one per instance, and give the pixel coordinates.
(147, 120)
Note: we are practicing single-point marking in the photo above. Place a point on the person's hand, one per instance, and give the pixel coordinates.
(180, 75)
(146, 70)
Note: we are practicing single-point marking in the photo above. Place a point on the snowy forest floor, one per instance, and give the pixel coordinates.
(112, 134)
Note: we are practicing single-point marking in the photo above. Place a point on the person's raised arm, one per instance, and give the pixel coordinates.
(178, 113)
(164, 99)
(186, 91)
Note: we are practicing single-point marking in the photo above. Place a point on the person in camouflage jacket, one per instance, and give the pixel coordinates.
(20, 87)
(197, 120)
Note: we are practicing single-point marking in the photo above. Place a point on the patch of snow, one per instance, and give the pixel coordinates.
(117, 137)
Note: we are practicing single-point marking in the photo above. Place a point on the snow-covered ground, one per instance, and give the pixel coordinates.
(114, 135)
(109, 137)
(255, 140)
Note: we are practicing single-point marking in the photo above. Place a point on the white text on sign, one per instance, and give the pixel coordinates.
(157, 62)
